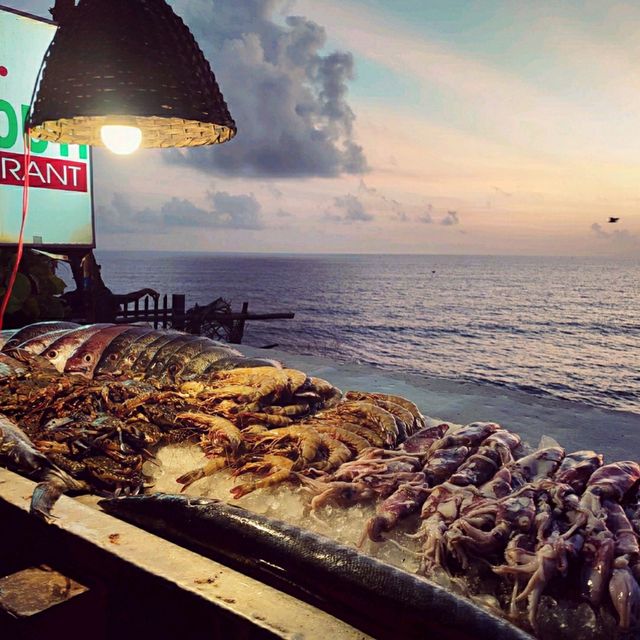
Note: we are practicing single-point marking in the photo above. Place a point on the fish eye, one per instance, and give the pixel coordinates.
(52, 354)
(113, 357)
(88, 358)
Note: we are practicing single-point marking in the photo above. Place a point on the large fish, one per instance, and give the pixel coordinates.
(170, 368)
(144, 356)
(131, 353)
(163, 355)
(86, 357)
(116, 349)
(36, 329)
(35, 346)
(379, 598)
(202, 362)
(63, 348)
(240, 362)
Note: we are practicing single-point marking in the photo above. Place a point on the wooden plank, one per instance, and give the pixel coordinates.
(109, 549)
(178, 311)
(237, 330)
(155, 313)
(28, 592)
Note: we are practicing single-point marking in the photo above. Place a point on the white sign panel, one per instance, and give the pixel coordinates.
(60, 180)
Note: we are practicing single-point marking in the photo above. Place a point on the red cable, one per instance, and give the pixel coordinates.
(25, 209)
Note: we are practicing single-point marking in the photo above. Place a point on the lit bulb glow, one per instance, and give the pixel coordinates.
(121, 139)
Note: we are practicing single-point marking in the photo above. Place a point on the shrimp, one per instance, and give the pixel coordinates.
(309, 440)
(338, 453)
(280, 469)
(221, 431)
(213, 465)
(354, 441)
(248, 417)
(373, 417)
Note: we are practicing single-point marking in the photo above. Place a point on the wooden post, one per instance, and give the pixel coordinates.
(165, 316)
(178, 304)
(155, 313)
(237, 332)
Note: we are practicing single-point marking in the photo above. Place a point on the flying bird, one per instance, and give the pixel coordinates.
(612, 220)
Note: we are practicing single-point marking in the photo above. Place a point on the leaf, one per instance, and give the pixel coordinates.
(21, 288)
(59, 285)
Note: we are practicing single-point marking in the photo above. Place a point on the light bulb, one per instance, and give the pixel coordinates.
(121, 139)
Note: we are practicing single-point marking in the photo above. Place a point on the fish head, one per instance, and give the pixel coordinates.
(57, 356)
(110, 363)
(82, 362)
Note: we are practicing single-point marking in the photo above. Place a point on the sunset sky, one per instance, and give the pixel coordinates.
(404, 126)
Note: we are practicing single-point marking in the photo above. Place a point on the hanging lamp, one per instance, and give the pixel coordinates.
(117, 67)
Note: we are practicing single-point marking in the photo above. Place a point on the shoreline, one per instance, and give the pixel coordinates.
(575, 426)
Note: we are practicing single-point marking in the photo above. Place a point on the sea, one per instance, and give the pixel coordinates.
(567, 327)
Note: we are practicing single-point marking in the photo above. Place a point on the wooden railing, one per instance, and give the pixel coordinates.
(155, 311)
(226, 325)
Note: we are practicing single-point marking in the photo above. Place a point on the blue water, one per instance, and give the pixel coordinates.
(566, 327)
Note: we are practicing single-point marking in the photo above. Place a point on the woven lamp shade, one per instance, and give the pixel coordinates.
(128, 62)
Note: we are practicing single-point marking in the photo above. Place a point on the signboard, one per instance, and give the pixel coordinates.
(60, 179)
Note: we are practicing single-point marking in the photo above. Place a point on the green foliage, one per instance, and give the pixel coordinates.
(37, 289)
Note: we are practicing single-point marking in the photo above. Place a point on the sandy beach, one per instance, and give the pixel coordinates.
(616, 434)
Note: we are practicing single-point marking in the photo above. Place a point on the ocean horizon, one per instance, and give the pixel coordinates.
(555, 326)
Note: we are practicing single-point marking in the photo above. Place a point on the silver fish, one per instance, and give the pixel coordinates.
(116, 349)
(37, 345)
(63, 348)
(36, 329)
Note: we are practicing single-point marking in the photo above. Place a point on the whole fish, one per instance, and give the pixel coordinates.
(37, 345)
(155, 368)
(379, 598)
(146, 355)
(171, 368)
(240, 362)
(36, 329)
(131, 353)
(85, 358)
(63, 348)
(202, 362)
(116, 349)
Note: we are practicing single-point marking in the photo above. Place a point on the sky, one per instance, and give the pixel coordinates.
(398, 126)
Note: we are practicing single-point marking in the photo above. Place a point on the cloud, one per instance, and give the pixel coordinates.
(227, 212)
(425, 218)
(450, 219)
(364, 188)
(621, 238)
(273, 190)
(281, 213)
(288, 99)
(348, 209)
